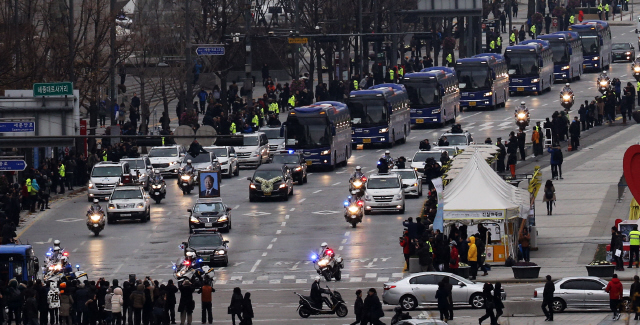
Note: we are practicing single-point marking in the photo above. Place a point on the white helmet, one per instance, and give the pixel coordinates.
(522, 104)
(64, 259)
(324, 245)
(354, 192)
(358, 168)
(567, 84)
(95, 201)
(156, 171)
(317, 278)
(188, 161)
(387, 152)
(191, 254)
(56, 242)
(56, 249)
(604, 73)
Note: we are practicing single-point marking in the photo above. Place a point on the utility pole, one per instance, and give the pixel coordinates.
(296, 54)
(361, 44)
(248, 81)
(72, 75)
(113, 97)
(187, 54)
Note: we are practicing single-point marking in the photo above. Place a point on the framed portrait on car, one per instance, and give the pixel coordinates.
(209, 184)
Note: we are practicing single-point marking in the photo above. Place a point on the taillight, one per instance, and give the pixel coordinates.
(535, 293)
(360, 203)
(388, 287)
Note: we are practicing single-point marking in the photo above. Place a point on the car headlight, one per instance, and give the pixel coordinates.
(194, 219)
(384, 130)
(140, 205)
(95, 217)
(353, 209)
(252, 186)
(535, 80)
(566, 97)
(173, 163)
(223, 218)
(595, 58)
(489, 94)
(522, 115)
(256, 154)
(325, 152)
(111, 206)
(142, 175)
(220, 252)
(566, 67)
(283, 185)
(367, 197)
(90, 185)
(299, 168)
(435, 111)
(185, 177)
(415, 184)
(398, 196)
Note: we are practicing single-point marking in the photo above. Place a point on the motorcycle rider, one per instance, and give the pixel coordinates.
(383, 166)
(566, 90)
(387, 157)
(188, 168)
(316, 294)
(603, 76)
(325, 250)
(95, 208)
(56, 243)
(357, 174)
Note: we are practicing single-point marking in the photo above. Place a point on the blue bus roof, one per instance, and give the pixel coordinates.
(566, 35)
(372, 92)
(496, 56)
(482, 58)
(590, 24)
(524, 48)
(445, 69)
(542, 43)
(14, 249)
(320, 106)
(395, 87)
(431, 74)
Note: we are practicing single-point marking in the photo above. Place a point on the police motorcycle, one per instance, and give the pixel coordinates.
(566, 97)
(95, 218)
(357, 181)
(604, 84)
(327, 264)
(157, 188)
(190, 267)
(522, 116)
(307, 307)
(62, 271)
(636, 69)
(186, 178)
(354, 209)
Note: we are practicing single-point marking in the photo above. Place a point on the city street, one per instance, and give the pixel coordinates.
(270, 243)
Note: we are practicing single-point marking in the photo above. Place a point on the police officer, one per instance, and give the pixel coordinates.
(492, 46)
(634, 244)
(533, 31)
(600, 11)
(392, 77)
(292, 101)
(512, 37)
(400, 72)
(499, 43)
(449, 60)
(61, 175)
(572, 19)
(606, 11)
(232, 128)
(638, 91)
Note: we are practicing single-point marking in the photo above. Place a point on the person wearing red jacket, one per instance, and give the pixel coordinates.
(405, 242)
(454, 259)
(614, 288)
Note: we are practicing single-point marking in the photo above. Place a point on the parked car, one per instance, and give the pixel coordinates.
(420, 289)
(254, 150)
(582, 292)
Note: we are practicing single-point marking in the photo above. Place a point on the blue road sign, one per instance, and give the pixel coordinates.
(17, 126)
(210, 50)
(12, 165)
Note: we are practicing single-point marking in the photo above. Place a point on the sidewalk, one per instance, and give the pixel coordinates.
(564, 319)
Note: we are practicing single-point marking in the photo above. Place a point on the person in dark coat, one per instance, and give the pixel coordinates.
(247, 310)
(187, 304)
(443, 302)
(488, 303)
(522, 137)
(574, 131)
(372, 308)
(634, 294)
(357, 307)
(43, 304)
(170, 304)
(497, 300)
(30, 308)
(235, 308)
(449, 289)
(547, 299)
(411, 227)
(501, 155)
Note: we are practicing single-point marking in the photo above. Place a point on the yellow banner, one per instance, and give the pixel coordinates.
(534, 183)
(298, 40)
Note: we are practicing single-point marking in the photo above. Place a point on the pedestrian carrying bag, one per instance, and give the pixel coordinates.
(618, 253)
(548, 194)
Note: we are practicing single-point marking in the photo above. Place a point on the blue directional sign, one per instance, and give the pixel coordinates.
(210, 50)
(17, 126)
(12, 165)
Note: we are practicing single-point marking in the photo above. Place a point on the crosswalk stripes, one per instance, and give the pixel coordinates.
(355, 279)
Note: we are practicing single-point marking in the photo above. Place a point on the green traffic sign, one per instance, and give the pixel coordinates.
(53, 89)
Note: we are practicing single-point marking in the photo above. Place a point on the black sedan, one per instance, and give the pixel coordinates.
(210, 246)
(295, 162)
(623, 52)
(209, 214)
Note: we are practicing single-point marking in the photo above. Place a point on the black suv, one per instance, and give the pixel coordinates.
(210, 214)
(296, 162)
(210, 246)
(272, 180)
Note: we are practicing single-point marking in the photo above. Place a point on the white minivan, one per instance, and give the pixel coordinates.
(254, 150)
(104, 177)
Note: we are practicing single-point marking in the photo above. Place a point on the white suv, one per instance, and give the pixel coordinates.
(254, 150)
(227, 159)
(276, 142)
(383, 192)
(166, 159)
(105, 176)
(142, 167)
(129, 202)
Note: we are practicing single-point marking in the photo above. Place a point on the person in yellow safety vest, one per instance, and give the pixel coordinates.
(572, 19)
(162, 144)
(634, 245)
(400, 72)
(600, 11)
(355, 84)
(449, 59)
(606, 11)
(61, 178)
(391, 75)
(492, 46)
(292, 101)
(232, 128)
(255, 121)
(512, 38)
(273, 108)
(499, 43)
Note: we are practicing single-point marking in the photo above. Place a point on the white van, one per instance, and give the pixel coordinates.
(104, 177)
(254, 150)
(166, 159)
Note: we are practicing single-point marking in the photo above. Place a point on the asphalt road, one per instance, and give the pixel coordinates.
(271, 242)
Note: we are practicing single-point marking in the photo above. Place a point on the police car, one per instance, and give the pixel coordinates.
(210, 246)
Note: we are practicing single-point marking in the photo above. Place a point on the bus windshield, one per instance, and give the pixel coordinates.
(308, 132)
(590, 45)
(473, 77)
(560, 53)
(522, 64)
(367, 112)
(423, 93)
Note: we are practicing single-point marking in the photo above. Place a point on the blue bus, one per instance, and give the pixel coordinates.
(322, 132)
(379, 115)
(596, 43)
(18, 262)
(433, 94)
(567, 54)
(483, 81)
(530, 66)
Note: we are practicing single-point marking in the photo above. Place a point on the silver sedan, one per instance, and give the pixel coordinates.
(585, 292)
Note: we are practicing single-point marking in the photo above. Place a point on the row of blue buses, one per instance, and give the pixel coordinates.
(530, 66)
(434, 95)
(596, 43)
(567, 54)
(483, 81)
(379, 114)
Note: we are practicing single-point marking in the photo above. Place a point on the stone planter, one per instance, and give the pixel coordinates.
(601, 271)
(414, 265)
(526, 272)
(463, 271)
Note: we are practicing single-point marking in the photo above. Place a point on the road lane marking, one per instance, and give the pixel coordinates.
(301, 280)
(264, 254)
(382, 279)
(370, 275)
(221, 281)
(74, 250)
(284, 223)
(235, 207)
(292, 209)
(318, 191)
(274, 240)
(279, 231)
(302, 200)
(288, 277)
(286, 216)
(347, 233)
(334, 184)
(255, 266)
(82, 243)
(344, 241)
(340, 248)
(355, 279)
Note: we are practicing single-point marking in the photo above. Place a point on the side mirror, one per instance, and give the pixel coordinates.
(248, 178)
(189, 210)
(462, 285)
(228, 209)
(409, 160)
(225, 241)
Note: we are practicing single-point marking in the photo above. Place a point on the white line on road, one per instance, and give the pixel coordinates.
(292, 209)
(264, 254)
(411, 138)
(318, 191)
(334, 184)
(344, 241)
(74, 250)
(378, 150)
(286, 216)
(270, 246)
(347, 233)
(82, 243)
(302, 200)
(284, 223)
(274, 240)
(340, 248)
(278, 232)
(253, 269)
(235, 207)
(118, 268)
